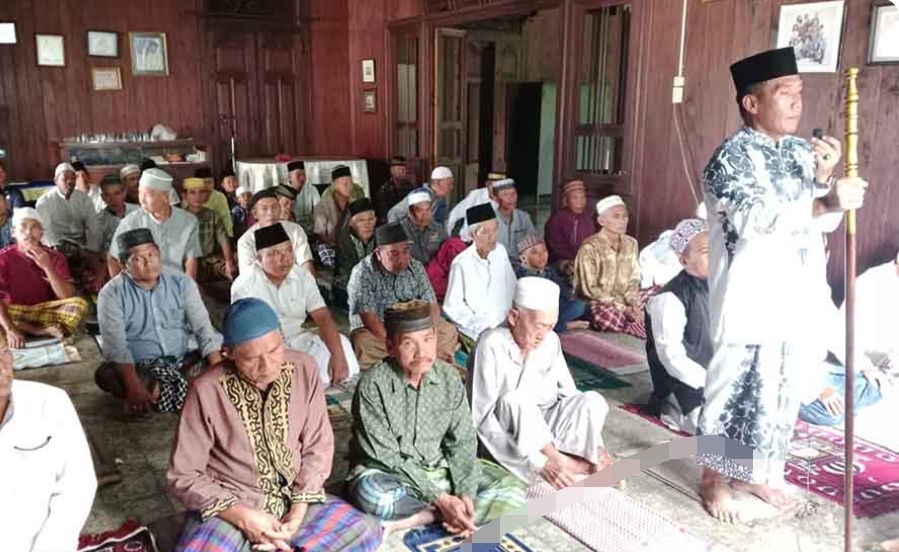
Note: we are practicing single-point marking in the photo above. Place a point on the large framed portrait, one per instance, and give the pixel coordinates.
(814, 30)
(884, 47)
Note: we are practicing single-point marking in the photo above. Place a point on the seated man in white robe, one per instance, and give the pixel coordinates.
(291, 291)
(47, 482)
(530, 416)
(455, 224)
(678, 340)
(481, 281)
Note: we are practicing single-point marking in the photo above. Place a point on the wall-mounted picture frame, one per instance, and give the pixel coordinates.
(149, 54)
(884, 42)
(106, 78)
(8, 32)
(368, 71)
(51, 50)
(103, 44)
(815, 31)
(369, 101)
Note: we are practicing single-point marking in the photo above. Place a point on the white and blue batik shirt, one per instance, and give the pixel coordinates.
(766, 254)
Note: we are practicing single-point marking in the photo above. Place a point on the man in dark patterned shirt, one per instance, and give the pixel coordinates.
(414, 446)
(769, 196)
(390, 275)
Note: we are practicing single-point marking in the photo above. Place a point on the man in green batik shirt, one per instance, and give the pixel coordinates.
(414, 447)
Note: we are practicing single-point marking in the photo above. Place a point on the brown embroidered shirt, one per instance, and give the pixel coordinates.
(265, 450)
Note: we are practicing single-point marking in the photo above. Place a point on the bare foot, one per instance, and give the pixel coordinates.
(890, 545)
(773, 496)
(717, 499)
(577, 325)
(578, 465)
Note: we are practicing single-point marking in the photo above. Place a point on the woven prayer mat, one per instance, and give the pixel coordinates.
(44, 352)
(434, 539)
(611, 521)
(816, 464)
(591, 348)
(130, 537)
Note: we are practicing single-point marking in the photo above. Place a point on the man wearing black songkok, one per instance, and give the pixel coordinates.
(770, 195)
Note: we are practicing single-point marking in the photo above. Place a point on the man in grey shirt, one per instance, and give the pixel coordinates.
(146, 318)
(425, 235)
(174, 230)
(440, 187)
(513, 224)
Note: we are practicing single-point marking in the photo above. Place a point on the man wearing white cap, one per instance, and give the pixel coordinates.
(425, 234)
(513, 224)
(72, 225)
(175, 231)
(678, 342)
(607, 274)
(482, 281)
(240, 213)
(37, 292)
(530, 416)
(658, 262)
(440, 187)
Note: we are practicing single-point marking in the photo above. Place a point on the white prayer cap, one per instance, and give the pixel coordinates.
(441, 172)
(128, 170)
(537, 294)
(63, 168)
(607, 203)
(684, 232)
(22, 213)
(419, 195)
(241, 190)
(702, 211)
(156, 179)
(503, 184)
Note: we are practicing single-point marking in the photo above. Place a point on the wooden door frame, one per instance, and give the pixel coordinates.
(635, 111)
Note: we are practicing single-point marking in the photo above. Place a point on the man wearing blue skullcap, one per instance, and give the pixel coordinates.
(244, 486)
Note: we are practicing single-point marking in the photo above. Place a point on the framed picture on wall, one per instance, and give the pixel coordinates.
(369, 101)
(814, 30)
(8, 33)
(368, 71)
(106, 78)
(884, 47)
(51, 50)
(149, 55)
(103, 44)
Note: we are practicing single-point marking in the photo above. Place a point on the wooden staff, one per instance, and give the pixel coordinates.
(851, 270)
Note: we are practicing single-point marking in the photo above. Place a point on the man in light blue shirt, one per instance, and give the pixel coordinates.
(146, 318)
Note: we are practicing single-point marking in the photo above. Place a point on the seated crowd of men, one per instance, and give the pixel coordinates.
(420, 281)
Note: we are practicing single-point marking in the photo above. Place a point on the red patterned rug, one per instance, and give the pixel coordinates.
(816, 463)
(590, 347)
(130, 537)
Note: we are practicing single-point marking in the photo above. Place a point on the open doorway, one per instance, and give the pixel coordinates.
(506, 92)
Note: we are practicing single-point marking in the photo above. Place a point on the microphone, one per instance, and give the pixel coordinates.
(818, 133)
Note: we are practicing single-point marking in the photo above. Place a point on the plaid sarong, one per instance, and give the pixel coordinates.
(326, 254)
(606, 317)
(212, 268)
(65, 312)
(330, 527)
(388, 496)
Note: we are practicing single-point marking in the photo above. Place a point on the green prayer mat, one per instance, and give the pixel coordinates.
(588, 377)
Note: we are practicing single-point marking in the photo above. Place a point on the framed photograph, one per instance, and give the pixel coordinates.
(51, 50)
(102, 44)
(884, 47)
(106, 78)
(7, 33)
(368, 70)
(814, 30)
(369, 101)
(149, 56)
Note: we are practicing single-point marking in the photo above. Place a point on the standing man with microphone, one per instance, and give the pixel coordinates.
(765, 190)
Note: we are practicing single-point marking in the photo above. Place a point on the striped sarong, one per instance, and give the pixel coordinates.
(390, 497)
(65, 312)
(334, 526)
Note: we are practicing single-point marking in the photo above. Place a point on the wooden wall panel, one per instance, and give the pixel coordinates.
(367, 28)
(331, 126)
(47, 104)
